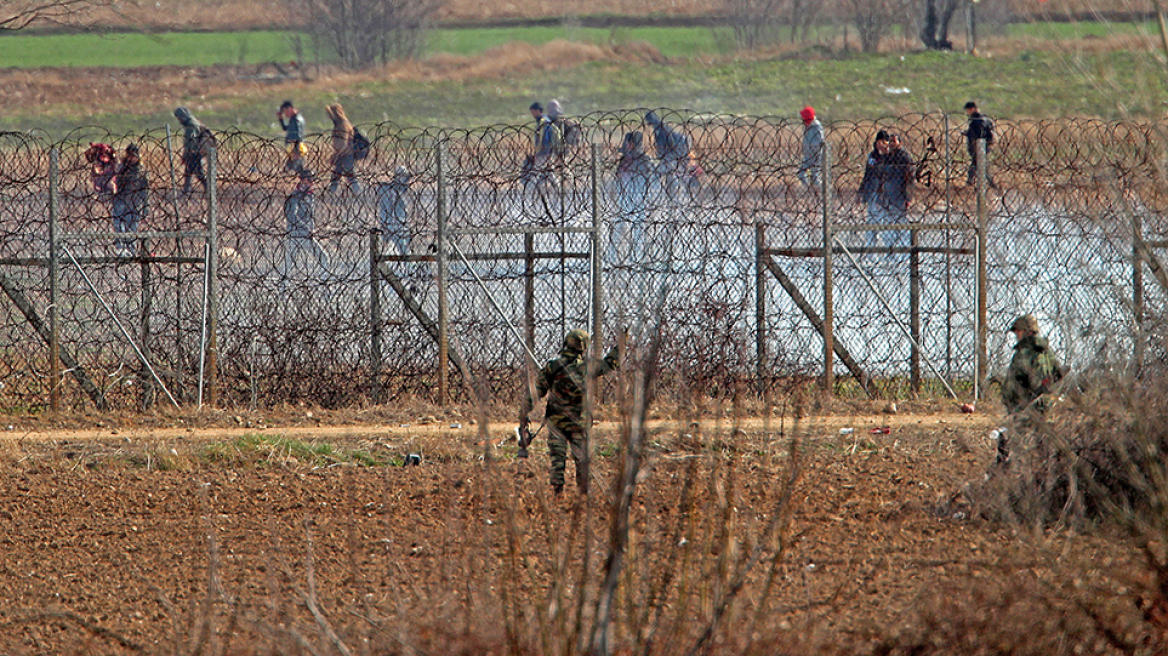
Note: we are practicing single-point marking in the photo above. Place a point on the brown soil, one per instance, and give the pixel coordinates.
(100, 549)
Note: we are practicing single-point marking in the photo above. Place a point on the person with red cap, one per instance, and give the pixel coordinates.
(809, 170)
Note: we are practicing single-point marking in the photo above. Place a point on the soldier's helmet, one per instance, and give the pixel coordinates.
(577, 340)
(1026, 323)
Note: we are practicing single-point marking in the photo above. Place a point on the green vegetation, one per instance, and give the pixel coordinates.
(670, 41)
(1071, 30)
(268, 450)
(129, 50)
(1031, 84)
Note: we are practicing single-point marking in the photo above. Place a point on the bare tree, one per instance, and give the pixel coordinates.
(935, 26)
(367, 32)
(759, 23)
(21, 14)
(873, 20)
(755, 22)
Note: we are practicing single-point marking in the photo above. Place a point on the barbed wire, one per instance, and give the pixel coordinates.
(296, 312)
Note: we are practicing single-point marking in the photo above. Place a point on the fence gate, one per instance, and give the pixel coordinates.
(496, 300)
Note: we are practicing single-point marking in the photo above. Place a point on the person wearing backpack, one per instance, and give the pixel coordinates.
(197, 139)
(979, 127)
(546, 144)
(344, 159)
(569, 133)
(131, 191)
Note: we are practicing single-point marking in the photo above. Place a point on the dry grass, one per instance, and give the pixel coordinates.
(251, 14)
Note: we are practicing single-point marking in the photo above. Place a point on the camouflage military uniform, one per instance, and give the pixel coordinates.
(1033, 371)
(562, 381)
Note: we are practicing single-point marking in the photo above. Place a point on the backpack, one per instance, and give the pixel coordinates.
(360, 145)
(207, 140)
(571, 132)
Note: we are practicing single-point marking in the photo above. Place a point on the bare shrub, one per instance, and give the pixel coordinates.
(1098, 464)
(366, 33)
(759, 23)
(873, 19)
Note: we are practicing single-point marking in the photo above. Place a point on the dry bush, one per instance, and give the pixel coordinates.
(1096, 464)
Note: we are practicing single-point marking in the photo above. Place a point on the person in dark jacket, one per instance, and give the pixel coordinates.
(131, 191)
(292, 122)
(979, 127)
(888, 175)
(674, 162)
(194, 146)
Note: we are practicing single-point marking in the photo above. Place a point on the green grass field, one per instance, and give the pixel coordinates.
(210, 48)
(31, 50)
(1111, 85)
(1044, 82)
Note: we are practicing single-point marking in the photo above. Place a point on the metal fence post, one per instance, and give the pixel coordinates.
(828, 290)
(760, 306)
(914, 311)
(1137, 293)
(147, 398)
(375, 316)
(983, 218)
(54, 282)
(597, 270)
(212, 277)
(529, 307)
(179, 351)
(440, 263)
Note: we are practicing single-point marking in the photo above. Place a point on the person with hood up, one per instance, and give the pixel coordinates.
(131, 191)
(343, 161)
(195, 145)
(633, 172)
(673, 152)
(568, 130)
(300, 215)
(546, 143)
(563, 381)
(810, 167)
(393, 209)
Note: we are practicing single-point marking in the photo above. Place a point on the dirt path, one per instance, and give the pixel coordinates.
(464, 430)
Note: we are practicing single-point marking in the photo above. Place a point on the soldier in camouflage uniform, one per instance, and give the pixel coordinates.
(1033, 372)
(562, 380)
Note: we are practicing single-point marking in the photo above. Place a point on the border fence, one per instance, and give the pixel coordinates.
(450, 259)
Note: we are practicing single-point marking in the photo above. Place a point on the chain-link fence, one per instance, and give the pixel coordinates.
(353, 291)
